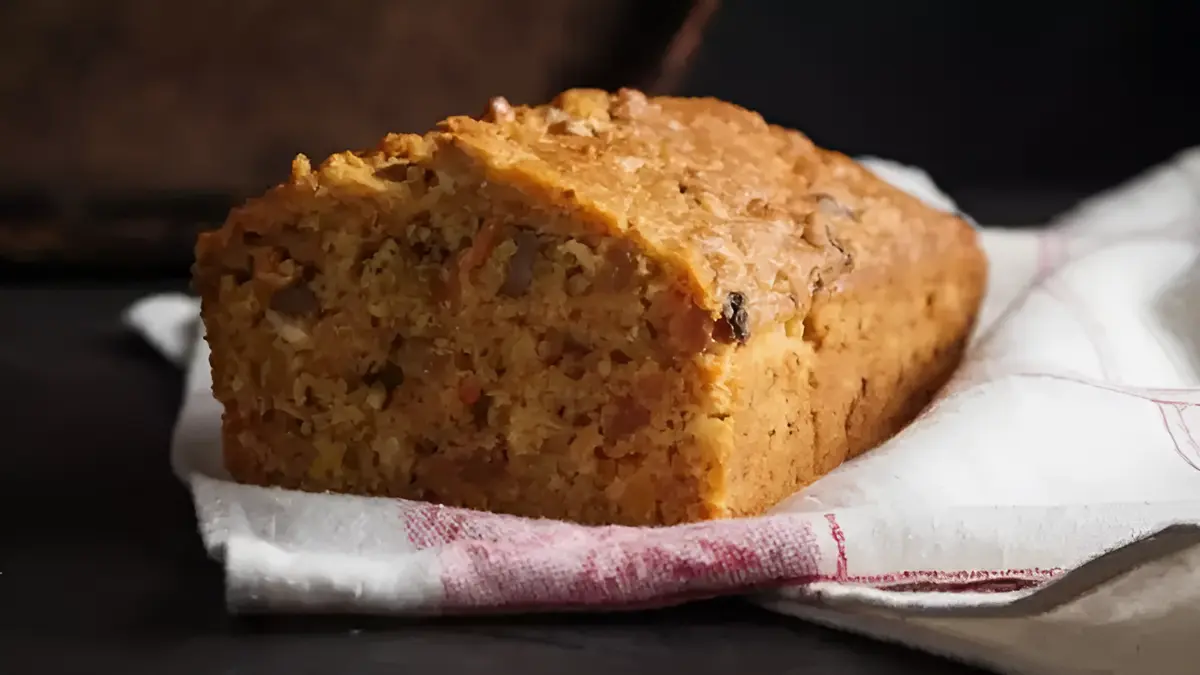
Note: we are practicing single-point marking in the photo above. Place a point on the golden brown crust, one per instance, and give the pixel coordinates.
(779, 310)
(732, 203)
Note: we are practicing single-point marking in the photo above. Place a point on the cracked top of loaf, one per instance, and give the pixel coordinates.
(730, 204)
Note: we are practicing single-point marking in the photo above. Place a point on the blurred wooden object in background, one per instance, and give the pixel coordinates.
(130, 124)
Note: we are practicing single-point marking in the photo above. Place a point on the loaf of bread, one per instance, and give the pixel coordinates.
(607, 309)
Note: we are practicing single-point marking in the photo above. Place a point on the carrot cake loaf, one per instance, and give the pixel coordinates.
(607, 309)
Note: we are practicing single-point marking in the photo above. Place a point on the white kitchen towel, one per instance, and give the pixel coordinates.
(1039, 517)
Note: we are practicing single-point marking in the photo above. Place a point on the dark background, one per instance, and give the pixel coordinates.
(130, 125)
(1048, 101)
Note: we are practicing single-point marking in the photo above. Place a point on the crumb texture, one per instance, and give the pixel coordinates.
(608, 309)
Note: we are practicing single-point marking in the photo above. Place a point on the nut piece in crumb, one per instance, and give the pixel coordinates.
(571, 127)
(499, 110)
(390, 376)
(480, 409)
(630, 104)
(628, 415)
(383, 384)
(295, 300)
(817, 232)
(395, 173)
(631, 164)
(734, 325)
(832, 207)
(520, 265)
